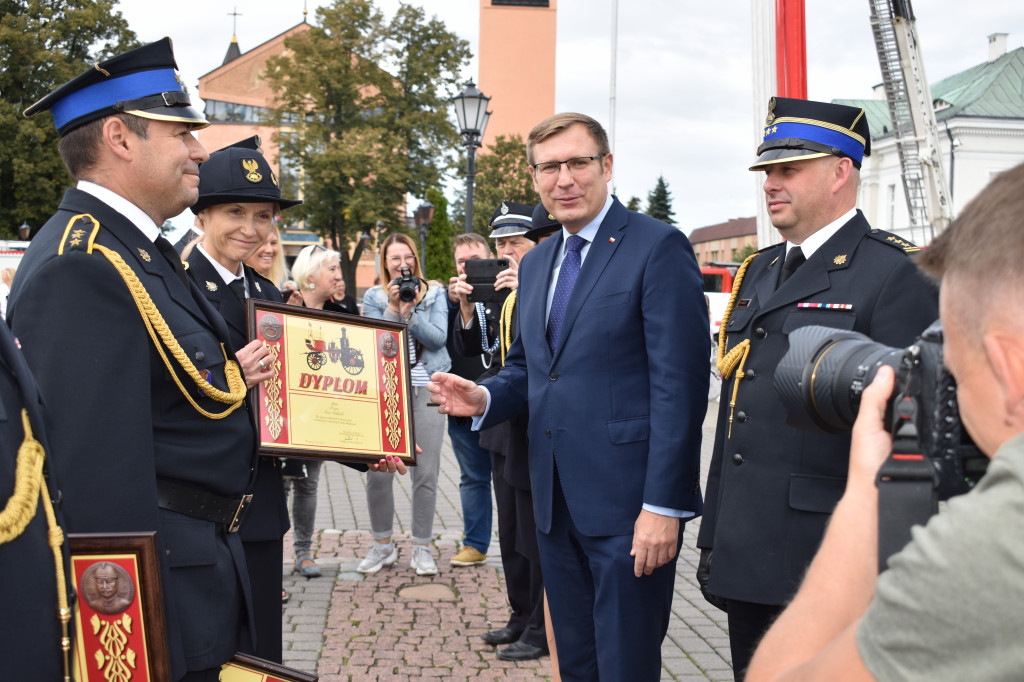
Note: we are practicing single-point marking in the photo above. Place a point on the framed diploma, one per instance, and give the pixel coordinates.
(119, 616)
(340, 389)
(245, 668)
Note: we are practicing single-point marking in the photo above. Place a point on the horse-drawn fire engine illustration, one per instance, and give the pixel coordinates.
(351, 359)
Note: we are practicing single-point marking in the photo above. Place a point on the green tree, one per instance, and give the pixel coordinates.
(740, 255)
(633, 204)
(659, 202)
(44, 43)
(364, 103)
(438, 261)
(502, 175)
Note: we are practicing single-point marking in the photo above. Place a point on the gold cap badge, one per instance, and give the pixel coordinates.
(252, 166)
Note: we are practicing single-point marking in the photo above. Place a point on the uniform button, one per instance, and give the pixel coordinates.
(749, 374)
(741, 416)
(553, 376)
(200, 356)
(547, 432)
(737, 459)
(760, 333)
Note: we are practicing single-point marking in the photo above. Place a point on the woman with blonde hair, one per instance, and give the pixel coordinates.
(426, 315)
(269, 258)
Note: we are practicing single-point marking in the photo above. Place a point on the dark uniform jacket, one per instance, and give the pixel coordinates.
(267, 517)
(771, 488)
(509, 437)
(119, 420)
(31, 645)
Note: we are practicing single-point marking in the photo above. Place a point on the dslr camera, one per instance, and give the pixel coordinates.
(407, 285)
(823, 374)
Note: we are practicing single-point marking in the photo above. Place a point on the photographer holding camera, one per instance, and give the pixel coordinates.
(404, 297)
(948, 607)
(771, 488)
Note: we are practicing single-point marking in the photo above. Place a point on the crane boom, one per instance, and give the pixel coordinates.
(913, 115)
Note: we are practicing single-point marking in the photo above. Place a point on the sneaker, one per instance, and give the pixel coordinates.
(422, 561)
(380, 556)
(469, 556)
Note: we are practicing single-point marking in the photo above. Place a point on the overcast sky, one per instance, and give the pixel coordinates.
(684, 74)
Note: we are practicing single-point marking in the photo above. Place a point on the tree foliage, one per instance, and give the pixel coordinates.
(438, 262)
(740, 255)
(502, 175)
(633, 204)
(659, 202)
(363, 102)
(44, 43)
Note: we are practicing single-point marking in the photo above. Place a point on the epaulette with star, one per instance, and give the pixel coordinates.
(80, 234)
(894, 241)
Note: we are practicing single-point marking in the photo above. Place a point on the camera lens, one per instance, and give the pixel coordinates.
(821, 377)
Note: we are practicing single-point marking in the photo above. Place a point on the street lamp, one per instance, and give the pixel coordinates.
(423, 215)
(471, 112)
(24, 231)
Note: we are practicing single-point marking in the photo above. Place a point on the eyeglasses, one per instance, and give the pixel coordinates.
(398, 260)
(575, 165)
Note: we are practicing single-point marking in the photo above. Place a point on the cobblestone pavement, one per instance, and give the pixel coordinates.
(395, 625)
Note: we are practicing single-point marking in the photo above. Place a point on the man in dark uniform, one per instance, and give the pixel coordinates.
(34, 598)
(144, 396)
(771, 488)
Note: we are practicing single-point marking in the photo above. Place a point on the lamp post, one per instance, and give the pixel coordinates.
(471, 112)
(24, 230)
(423, 215)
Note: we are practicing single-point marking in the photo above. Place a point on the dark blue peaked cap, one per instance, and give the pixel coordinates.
(801, 129)
(142, 82)
(239, 173)
(543, 224)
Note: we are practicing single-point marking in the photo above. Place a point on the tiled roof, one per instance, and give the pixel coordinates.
(988, 90)
(736, 227)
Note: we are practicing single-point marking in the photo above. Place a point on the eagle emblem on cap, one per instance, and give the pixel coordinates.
(504, 209)
(252, 166)
(771, 113)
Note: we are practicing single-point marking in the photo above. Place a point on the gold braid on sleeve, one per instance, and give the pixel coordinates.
(727, 362)
(20, 509)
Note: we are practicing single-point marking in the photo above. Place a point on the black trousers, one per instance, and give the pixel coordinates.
(747, 624)
(523, 579)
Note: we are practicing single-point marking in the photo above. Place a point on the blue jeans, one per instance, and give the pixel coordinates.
(474, 484)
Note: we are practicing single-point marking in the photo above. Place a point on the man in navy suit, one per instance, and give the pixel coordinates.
(612, 364)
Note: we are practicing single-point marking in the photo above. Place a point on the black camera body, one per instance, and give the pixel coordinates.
(823, 374)
(407, 285)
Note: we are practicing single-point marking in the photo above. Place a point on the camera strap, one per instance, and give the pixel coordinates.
(907, 484)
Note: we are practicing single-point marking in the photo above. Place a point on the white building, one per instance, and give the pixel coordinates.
(980, 116)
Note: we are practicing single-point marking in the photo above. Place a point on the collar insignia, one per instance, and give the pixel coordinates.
(840, 259)
(252, 166)
(211, 286)
(144, 255)
(258, 287)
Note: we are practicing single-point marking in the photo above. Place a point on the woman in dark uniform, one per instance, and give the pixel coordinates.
(239, 201)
